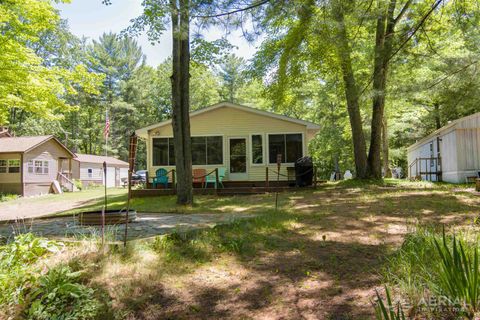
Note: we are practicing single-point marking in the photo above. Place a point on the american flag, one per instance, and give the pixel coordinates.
(106, 131)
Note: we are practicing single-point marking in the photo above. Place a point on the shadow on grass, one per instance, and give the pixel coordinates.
(318, 257)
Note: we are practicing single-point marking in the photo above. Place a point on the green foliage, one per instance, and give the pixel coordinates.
(78, 184)
(460, 273)
(385, 310)
(30, 292)
(59, 295)
(26, 83)
(17, 274)
(432, 264)
(7, 197)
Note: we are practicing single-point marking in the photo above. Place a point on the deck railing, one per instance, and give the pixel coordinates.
(426, 167)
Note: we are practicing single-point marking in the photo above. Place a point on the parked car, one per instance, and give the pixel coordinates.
(143, 174)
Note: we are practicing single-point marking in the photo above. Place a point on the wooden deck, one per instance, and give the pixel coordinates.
(231, 188)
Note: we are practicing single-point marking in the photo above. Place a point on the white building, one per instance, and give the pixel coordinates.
(89, 169)
(451, 153)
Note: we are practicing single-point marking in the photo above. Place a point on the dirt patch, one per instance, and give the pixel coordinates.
(323, 263)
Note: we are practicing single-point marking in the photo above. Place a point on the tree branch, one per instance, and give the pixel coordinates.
(252, 6)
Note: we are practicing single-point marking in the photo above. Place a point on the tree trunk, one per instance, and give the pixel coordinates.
(386, 160)
(383, 50)
(180, 100)
(351, 93)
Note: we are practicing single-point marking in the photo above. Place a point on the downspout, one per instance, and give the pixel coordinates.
(21, 174)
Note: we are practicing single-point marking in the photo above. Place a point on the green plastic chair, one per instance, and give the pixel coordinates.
(161, 178)
(211, 178)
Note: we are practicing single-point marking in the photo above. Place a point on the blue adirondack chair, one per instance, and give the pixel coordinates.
(161, 177)
(211, 178)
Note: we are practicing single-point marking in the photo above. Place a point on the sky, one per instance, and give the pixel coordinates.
(91, 18)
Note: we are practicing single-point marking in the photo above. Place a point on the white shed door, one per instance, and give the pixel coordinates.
(110, 177)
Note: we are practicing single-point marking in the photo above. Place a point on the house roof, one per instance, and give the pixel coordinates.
(452, 125)
(4, 132)
(143, 132)
(90, 158)
(26, 143)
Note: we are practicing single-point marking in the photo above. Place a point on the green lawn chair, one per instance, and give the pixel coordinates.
(161, 177)
(211, 178)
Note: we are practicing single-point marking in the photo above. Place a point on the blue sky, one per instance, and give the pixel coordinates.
(91, 18)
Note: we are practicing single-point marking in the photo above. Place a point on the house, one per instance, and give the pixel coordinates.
(4, 132)
(89, 170)
(451, 153)
(243, 140)
(33, 165)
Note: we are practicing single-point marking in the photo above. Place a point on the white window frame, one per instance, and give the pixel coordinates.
(263, 149)
(44, 167)
(90, 172)
(268, 147)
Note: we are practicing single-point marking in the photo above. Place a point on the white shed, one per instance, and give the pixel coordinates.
(451, 153)
(89, 169)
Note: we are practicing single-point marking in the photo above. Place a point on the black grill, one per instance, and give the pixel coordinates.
(304, 172)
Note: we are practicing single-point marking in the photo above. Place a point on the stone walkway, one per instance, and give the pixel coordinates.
(146, 225)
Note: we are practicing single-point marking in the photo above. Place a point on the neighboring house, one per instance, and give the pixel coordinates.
(451, 153)
(30, 165)
(4, 132)
(241, 139)
(89, 170)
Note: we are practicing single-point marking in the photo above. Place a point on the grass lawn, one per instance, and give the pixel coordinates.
(53, 203)
(321, 256)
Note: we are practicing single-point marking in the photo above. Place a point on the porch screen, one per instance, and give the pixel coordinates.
(205, 150)
(290, 146)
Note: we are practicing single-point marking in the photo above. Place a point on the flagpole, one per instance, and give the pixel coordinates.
(106, 134)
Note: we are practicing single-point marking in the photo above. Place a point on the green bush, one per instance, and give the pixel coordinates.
(78, 184)
(459, 278)
(7, 197)
(431, 264)
(59, 295)
(28, 291)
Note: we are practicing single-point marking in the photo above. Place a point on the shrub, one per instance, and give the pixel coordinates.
(78, 184)
(459, 278)
(59, 295)
(432, 265)
(27, 292)
(7, 197)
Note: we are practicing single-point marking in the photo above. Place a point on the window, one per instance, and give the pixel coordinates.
(290, 146)
(160, 151)
(257, 149)
(205, 150)
(3, 166)
(13, 166)
(10, 166)
(38, 166)
(90, 172)
(215, 150)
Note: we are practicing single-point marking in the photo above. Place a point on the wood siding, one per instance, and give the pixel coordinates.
(231, 122)
(49, 151)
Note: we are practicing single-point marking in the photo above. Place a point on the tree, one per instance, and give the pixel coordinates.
(27, 85)
(232, 77)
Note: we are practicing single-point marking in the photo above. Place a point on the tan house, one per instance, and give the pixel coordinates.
(31, 165)
(241, 139)
(89, 170)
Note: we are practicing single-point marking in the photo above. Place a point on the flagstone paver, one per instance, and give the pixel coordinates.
(146, 225)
